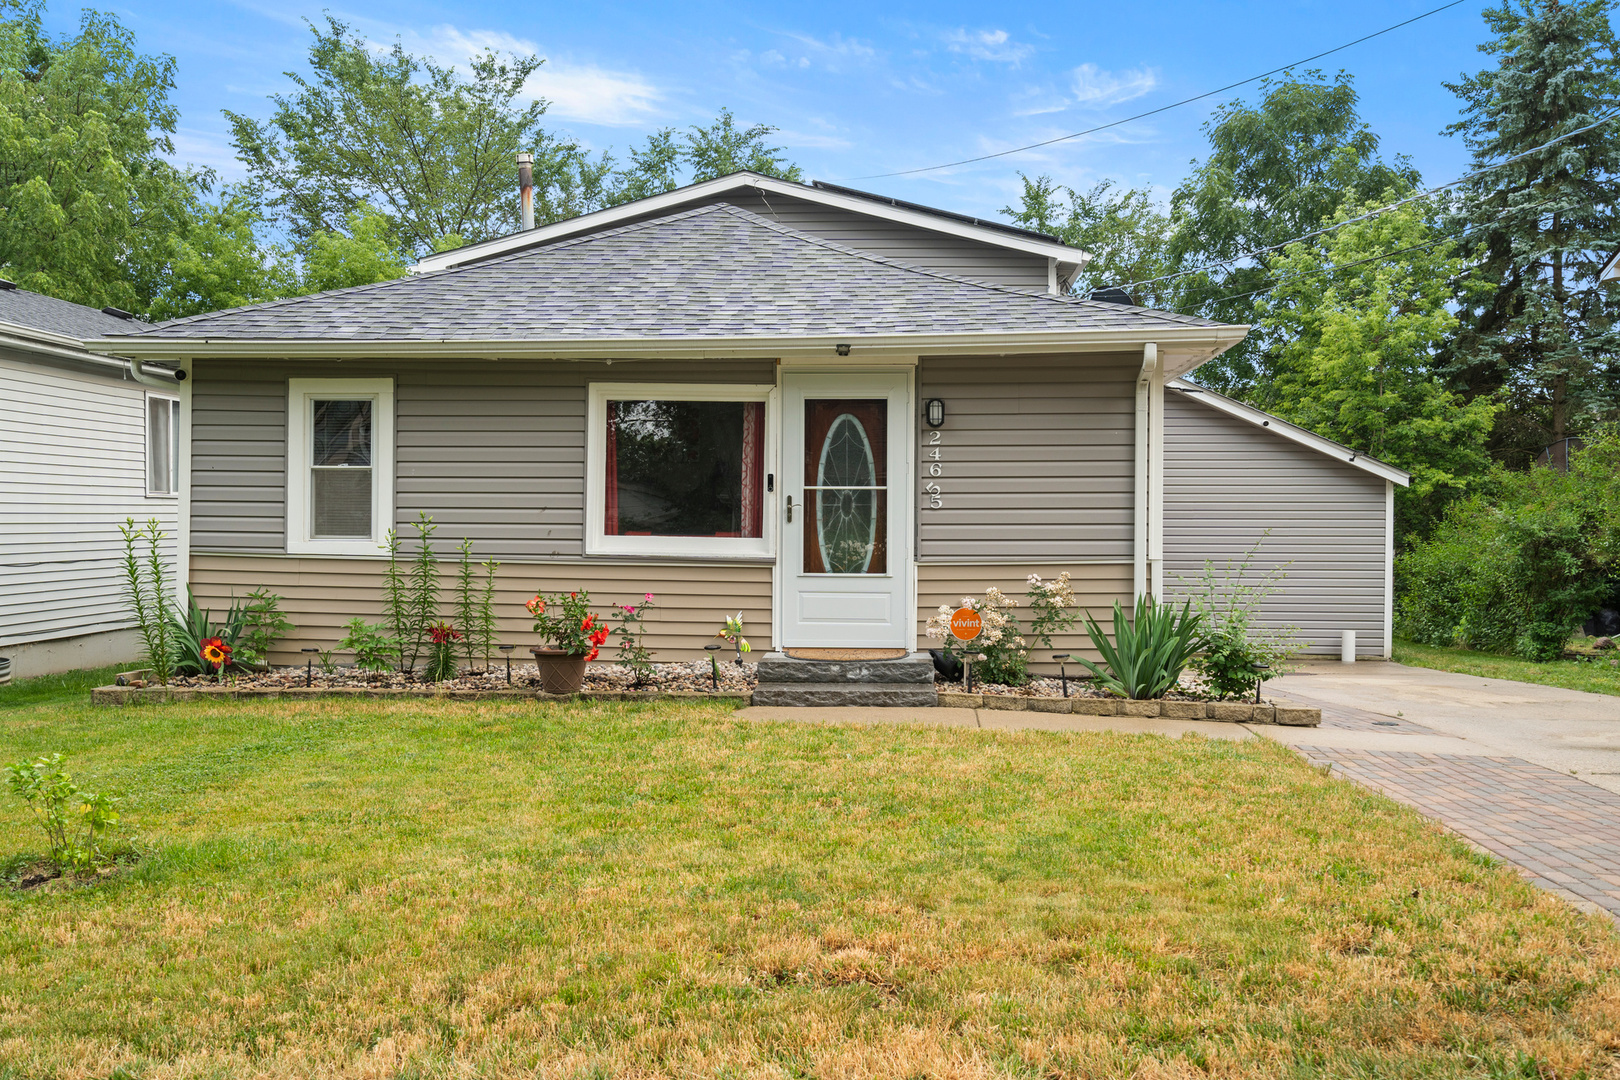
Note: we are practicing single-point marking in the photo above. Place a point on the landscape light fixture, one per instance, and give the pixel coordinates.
(714, 665)
(1259, 677)
(1063, 672)
(309, 667)
(935, 412)
(507, 649)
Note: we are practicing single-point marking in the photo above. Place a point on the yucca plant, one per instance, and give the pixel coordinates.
(1149, 652)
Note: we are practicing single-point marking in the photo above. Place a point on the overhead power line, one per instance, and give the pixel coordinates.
(1374, 213)
(1160, 109)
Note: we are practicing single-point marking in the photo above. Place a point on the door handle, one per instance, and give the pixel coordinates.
(790, 507)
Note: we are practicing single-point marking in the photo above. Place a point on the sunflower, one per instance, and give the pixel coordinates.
(215, 652)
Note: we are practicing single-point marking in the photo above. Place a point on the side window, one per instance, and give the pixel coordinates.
(162, 445)
(339, 465)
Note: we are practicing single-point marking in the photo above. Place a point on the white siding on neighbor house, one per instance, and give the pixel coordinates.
(1227, 482)
(72, 469)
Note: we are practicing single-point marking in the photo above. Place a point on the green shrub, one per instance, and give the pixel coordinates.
(373, 648)
(1149, 652)
(1516, 568)
(263, 625)
(1229, 599)
(56, 803)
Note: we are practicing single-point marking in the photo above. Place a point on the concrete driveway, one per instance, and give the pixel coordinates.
(1568, 731)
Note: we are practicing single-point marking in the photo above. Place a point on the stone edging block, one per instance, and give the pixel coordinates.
(950, 700)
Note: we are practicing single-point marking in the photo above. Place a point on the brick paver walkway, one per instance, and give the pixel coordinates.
(1562, 833)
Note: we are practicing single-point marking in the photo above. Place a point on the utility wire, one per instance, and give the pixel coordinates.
(1160, 109)
(1380, 210)
(1444, 238)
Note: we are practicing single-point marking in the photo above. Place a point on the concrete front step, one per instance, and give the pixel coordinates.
(918, 668)
(873, 694)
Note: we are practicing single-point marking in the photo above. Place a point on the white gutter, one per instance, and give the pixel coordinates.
(1141, 582)
(146, 378)
(1206, 340)
(45, 344)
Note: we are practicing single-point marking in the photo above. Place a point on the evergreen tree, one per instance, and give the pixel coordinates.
(1539, 230)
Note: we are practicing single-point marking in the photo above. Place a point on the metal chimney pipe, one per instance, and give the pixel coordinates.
(526, 187)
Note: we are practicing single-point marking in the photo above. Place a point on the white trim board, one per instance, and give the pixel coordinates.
(1294, 433)
(1068, 260)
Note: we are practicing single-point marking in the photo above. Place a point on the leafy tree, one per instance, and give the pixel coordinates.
(218, 263)
(1275, 171)
(431, 151)
(670, 159)
(1358, 319)
(1540, 229)
(1126, 235)
(89, 198)
(366, 254)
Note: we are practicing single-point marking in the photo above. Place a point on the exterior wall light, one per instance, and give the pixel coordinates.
(935, 412)
(843, 350)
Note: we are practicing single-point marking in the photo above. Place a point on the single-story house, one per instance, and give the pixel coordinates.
(827, 410)
(85, 446)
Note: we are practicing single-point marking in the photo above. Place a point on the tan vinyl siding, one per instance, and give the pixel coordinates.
(1037, 455)
(492, 450)
(1227, 482)
(321, 595)
(1096, 587)
(74, 451)
(891, 240)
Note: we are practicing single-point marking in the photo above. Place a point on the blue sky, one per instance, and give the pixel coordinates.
(861, 88)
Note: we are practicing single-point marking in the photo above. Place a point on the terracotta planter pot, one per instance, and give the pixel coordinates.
(560, 673)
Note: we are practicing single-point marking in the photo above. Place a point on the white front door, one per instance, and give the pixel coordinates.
(846, 507)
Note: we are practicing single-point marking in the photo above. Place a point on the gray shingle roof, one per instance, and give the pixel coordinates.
(711, 272)
(38, 312)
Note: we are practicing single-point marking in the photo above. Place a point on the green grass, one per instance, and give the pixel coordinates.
(1596, 677)
(69, 686)
(500, 889)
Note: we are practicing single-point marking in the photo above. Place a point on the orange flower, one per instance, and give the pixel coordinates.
(592, 654)
(537, 606)
(216, 652)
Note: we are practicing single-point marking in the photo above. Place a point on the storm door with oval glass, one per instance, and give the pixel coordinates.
(846, 531)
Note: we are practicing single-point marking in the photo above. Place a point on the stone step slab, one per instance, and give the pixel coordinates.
(777, 668)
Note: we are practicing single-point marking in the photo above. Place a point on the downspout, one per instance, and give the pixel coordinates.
(1155, 525)
(146, 378)
(1144, 383)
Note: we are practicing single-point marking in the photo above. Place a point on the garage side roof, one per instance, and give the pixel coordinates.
(1292, 432)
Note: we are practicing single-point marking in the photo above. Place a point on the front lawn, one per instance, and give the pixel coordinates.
(497, 889)
(1593, 676)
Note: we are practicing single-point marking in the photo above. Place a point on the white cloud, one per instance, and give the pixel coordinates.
(577, 91)
(805, 140)
(833, 53)
(993, 45)
(1095, 87)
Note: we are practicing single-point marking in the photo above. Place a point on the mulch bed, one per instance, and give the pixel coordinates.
(691, 677)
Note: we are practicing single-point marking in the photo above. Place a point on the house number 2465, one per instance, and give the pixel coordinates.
(931, 455)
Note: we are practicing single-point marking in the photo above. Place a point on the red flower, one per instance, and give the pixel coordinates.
(443, 632)
(215, 652)
(592, 655)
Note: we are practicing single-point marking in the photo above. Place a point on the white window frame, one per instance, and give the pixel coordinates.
(597, 542)
(174, 445)
(301, 395)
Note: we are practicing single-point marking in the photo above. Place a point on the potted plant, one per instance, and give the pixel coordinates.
(573, 635)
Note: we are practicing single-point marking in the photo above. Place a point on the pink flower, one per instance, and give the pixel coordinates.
(649, 598)
(629, 609)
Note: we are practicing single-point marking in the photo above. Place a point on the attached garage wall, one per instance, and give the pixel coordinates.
(320, 595)
(1227, 482)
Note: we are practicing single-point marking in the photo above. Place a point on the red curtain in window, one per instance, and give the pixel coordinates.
(611, 482)
(753, 469)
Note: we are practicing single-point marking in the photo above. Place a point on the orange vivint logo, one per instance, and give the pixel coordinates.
(966, 623)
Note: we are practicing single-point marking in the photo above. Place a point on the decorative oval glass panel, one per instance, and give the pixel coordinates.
(846, 504)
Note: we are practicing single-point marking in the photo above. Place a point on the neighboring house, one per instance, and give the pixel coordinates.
(85, 446)
(1237, 477)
